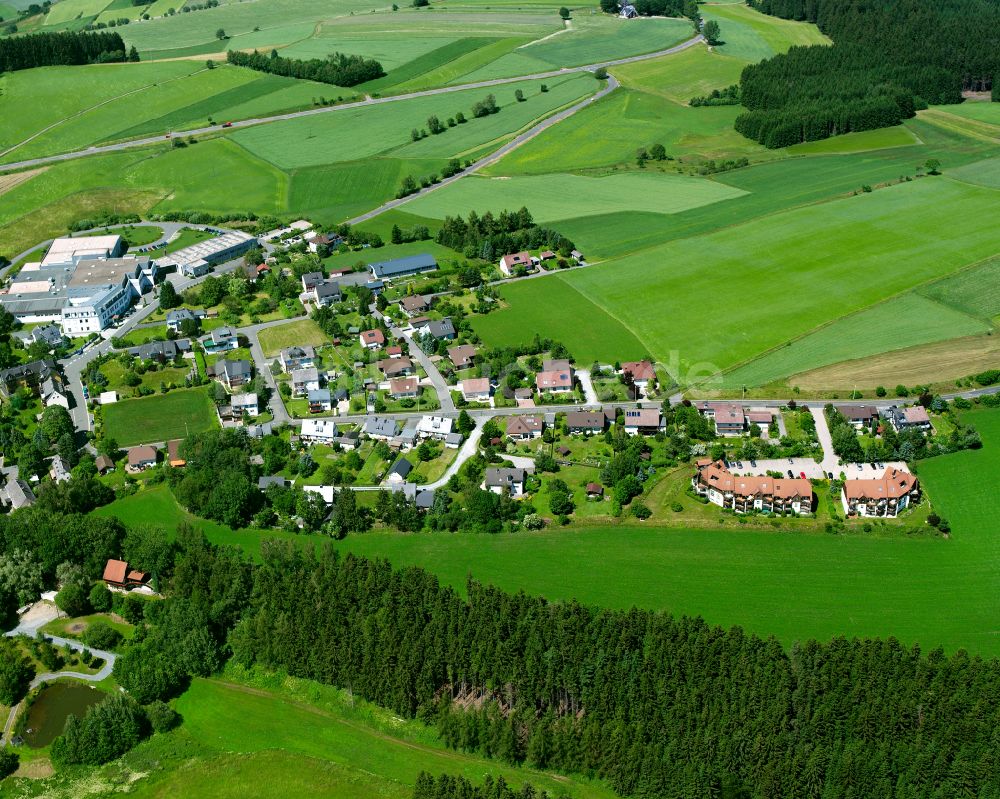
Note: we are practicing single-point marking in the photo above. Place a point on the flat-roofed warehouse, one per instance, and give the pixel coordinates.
(411, 265)
(198, 259)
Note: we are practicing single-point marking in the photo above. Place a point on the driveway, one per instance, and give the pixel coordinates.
(590, 395)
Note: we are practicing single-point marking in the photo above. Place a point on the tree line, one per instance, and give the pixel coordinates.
(339, 69)
(888, 60)
(488, 237)
(66, 48)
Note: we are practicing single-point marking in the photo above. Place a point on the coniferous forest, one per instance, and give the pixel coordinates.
(337, 68)
(69, 48)
(889, 58)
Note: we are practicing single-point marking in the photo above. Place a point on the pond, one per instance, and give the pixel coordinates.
(47, 715)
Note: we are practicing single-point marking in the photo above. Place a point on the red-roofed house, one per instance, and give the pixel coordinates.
(557, 382)
(884, 496)
(117, 574)
(643, 374)
(513, 261)
(476, 389)
(372, 339)
(744, 494)
(403, 387)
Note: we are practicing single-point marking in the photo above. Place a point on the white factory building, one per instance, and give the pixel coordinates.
(197, 260)
(83, 284)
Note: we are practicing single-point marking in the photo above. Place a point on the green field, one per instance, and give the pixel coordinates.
(901, 322)
(551, 306)
(160, 417)
(819, 260)
(974, 291)
(981, 173)
(356, 133)
(68, 10)
(304, 332)
(898, 136)
(553, 197)
(752, 36)
(792, 585)
(690, 73)
(295, 738)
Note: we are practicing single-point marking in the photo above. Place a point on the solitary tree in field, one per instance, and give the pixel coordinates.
(711, 31)
(601, 73)
(519, 95)
(564, 12)
(933, 166)
(221, 34)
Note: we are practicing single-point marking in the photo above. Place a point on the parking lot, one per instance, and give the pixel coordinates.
(811, 469)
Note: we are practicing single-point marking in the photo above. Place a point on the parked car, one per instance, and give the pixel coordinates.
(829, 475)
(802, 475)
(790, 474)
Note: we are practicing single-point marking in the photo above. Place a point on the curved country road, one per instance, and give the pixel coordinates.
(110, 148)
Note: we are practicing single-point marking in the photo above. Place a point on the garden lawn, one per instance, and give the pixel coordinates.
(302, 333)
(776, 278)
(159, 418)
(552, 197)
(792, 585)
(552, 307)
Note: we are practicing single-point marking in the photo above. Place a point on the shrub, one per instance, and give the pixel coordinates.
(640, 511)
(9, 762)
(100, 598)
(73, 600)
(162, 717)
(676, 507)
(101, 635)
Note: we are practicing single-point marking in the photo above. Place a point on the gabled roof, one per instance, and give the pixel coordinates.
(592, 420)
(524, 425)
(404, 266)
(463, 353)
(141, 454)
(549, 380)
(640, 370)
(894, 483)
(115, 571)
(501, 476)
(401, 467)
(476, 385)
(642, 417)
(441, 328)
(374, 336)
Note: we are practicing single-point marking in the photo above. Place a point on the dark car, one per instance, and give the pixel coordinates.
(790, 473)
(227, 124)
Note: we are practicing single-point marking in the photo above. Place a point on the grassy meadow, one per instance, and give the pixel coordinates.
(160, 417)
(791, 585)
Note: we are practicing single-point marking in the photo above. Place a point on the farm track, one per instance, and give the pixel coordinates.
(214, 129)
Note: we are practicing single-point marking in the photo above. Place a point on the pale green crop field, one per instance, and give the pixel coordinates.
(679, 77)
(588, 40)
(981, 173)
(901, 322)
(981, 112)
(68, 10)
(881, 139)
(719, 299)
(551, 197)
(389, 50)
(350, 134)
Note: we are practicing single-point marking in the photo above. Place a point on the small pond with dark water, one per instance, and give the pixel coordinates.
(47, 715)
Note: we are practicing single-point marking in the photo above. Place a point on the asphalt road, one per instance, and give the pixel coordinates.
(245, 123)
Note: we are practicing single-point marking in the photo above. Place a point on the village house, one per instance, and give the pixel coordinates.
(402, 267)
(435, 427)
(174, 454)
(19, 494)
(585, 421)
(762, 419)
(861, 417)
(310, 280)
(463, 356)
(328, 240)
(556, 365)
(729, 417)
(161, 351)
(233, 374)
(276, 480)
(403, 387)
(141, 458)
(326, 293)
(884, 496)
(222, 339)
(522, 428)
(30, 375)
(514, 261)
(292, 358)
(745, 494)
(104, 464)
(304, 380)
(244, 404)
(645, 421)
(53, 392)
(49, 335)
(441, 329)
(117, 574)
(396, 367)
(476, 389)
(380, 427)
(318, 431)
(395, 351)
(556, 382)
(507, 480)
(414, 304)
(178, 316)
(372, 339)
(320, 400)
(398, 472)
(914, 417)
(59, 470)
(642, 373)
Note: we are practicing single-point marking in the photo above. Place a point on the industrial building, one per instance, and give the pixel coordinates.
(83, 284)
(400, 267)
(198, 259)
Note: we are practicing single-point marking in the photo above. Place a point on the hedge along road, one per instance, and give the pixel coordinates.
(110, 148)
